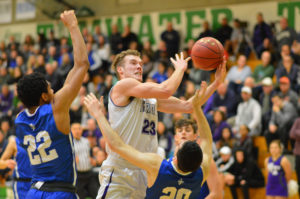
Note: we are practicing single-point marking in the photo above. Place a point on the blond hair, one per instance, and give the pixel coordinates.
(118, 61)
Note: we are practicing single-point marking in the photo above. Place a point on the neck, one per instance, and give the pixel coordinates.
(275, 157)
(32, 109)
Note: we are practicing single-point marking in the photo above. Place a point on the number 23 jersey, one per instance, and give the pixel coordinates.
(136, 124)
(51, 153)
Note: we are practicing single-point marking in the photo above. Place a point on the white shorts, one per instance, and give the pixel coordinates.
(122, 183)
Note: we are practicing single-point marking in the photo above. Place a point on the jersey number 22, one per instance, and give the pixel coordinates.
(32, 147)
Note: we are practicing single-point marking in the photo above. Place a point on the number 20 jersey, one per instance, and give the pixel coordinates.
(170, 184)
(51, 153)
(136, 124)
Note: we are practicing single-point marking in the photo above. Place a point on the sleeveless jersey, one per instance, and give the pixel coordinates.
(136, 124)
(276, 185)
(51, 153)
(170, 184)
(22, 169)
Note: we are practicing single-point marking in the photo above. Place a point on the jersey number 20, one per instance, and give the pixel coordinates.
(32, 147)
(181, 193)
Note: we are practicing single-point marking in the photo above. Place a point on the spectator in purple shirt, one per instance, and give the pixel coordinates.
(93, 133)
(218, 124)
(6, 99)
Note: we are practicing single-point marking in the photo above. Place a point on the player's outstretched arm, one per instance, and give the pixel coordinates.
(214, 182)
(64, 97)
(205, 134)
(147, 161)
(10, 150)
(133, 88)
(175, 105)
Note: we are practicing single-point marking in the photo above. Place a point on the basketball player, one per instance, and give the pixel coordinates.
(22, 171)
(43, 128)
(182, 176)
(132, 109)
(187, 130)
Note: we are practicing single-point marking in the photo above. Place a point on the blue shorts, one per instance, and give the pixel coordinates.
(21, 189)
(37, 194)
(204, 192)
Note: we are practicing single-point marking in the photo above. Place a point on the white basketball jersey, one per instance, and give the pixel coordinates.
(136, 124)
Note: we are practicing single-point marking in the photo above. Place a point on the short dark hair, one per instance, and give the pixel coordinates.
(30, 89)
(185, 122)
(189, 157)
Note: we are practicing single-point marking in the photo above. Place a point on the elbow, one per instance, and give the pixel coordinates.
(82, 62)
(166, 93)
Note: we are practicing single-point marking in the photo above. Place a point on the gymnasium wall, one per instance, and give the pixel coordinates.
(149, 25)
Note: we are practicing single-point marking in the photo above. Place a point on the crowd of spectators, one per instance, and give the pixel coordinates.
(254, 101)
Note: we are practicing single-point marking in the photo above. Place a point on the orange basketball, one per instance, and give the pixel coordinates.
(207, 53)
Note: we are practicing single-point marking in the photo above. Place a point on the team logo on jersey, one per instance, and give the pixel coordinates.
(180, 181)
(32, 126)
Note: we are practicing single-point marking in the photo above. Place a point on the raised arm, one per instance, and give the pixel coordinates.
(130, 87)
(205, 134)
(64, 97)
(175, 105)
(150, 162)
(10, 151)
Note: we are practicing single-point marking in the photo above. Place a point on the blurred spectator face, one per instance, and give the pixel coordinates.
(161, 128)
(5, 126)
(4, 56)
(245, 96)
(170, 71)
(169, 26)
(225, 157)
(161, 68)
(19, 60)
(283, 23)
(266, 58)
(147, 45)
(108, 80)
(100, 157)
(285, 50)
(65, 59)
(239, 156)
(114, 29)
(241, 62)
(101, 40)
(3, 71)
(76, 130)
(2, 45)
(97, 30)
(85, 31)
(222, 89)
(267, 89)
(133, 45)
(266, 43)
(127, 29)
(259, 18)
(52, 51)
(190, 88)
(287, 61)
(40, 60)
(284, 87)
(236, 24)
(89, 47)
(91, 125)
(226, 135)
(275, 149)
(63, 41)
(218, 117)
(12, 39)
(14, 54)
(184, 133)
(205, 25)
(277, 101)
(5, 90)
(49, 69)
(162, 46)
(145, 58)
(224, 21)
(249, 81)
(244, 131)
(90, 38)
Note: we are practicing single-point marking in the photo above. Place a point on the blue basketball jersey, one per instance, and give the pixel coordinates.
(22, 169)
(51, 153)
(204, 192)
(169, 183)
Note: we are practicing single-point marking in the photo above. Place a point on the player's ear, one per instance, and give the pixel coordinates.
(120, 70)
(45, 97)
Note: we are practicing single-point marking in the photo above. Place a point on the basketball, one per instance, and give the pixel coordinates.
(207, 53)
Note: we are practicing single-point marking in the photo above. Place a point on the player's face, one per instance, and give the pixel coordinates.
(184, 133)
(133, 67)
(275, 149)
(50, 94)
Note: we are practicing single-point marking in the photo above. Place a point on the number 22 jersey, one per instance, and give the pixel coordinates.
(51, 153)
